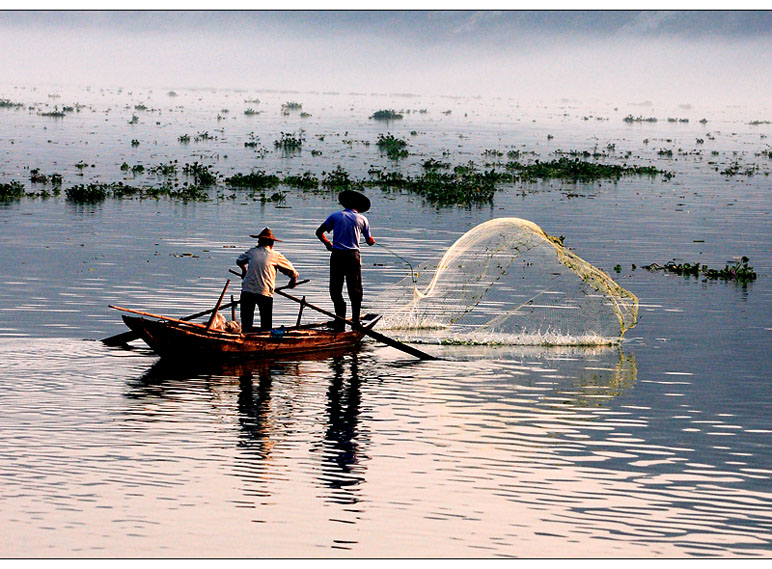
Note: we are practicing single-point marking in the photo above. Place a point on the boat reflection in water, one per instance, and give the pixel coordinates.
(285, 411)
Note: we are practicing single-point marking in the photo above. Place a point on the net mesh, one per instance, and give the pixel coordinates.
(506, 281)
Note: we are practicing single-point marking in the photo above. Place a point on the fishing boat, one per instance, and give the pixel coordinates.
(183, 339)
(186, 340)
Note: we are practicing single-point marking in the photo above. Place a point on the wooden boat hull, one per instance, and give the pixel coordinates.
(177, 340)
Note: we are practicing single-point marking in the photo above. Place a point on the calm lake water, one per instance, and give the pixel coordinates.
(658, 447)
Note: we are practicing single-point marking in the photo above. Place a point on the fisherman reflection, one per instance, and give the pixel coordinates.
(342, 465)
(254, 404)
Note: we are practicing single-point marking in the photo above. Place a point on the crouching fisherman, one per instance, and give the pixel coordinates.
(258, 271)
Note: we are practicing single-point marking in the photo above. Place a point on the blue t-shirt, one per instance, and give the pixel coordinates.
(347, 228)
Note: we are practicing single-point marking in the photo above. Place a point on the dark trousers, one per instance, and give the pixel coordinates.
(346, 264)
(248, 302)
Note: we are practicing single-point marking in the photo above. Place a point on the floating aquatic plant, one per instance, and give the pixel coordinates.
(306, 181)
(56, 113)
(291, 106)
(11, 190)
(202, 174)
(290, 141)
(338, 179)
(251, 112)
(394, 148)
(386, 115)
(90, 193)
(168, 169)
(580, 170)
(8, 104)
(37, 178)
(740, 271)
(432, 164)
(254, 180)
(632, 119)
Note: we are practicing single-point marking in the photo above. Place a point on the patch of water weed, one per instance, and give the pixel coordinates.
(134, 119)
(386, 180)
(305, 115)
(167, 169)
(432, 164)
(580, 170)
(87, 193)
(171, 94)
(740, 271)
(386, 115)
(291, 106)
(202, 174)
(465, 185)
(736, 168)
(306, 181)
(757, 122)
(338, 179)
(251, 112)
(37, 178)
(134, 142)
(395, 148)
(11, 190)
(255, 180)
(290, 141)
(56, 113)
(252, 101)
(183, 139)
(135, 169)
(204, 136)
(8, 104)
(632, 119)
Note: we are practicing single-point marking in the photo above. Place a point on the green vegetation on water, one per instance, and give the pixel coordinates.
(11, 190)
(579, 170)
(290, 141)
(394, 148)
(386, 115)
(632, 119)
(739, 272)
(256, 180)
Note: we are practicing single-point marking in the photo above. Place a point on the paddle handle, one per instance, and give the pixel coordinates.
(276, 289)
(367, 331)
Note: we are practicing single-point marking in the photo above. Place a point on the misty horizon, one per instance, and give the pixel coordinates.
(708, 58)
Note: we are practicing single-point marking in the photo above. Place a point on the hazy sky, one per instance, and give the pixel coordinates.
(718, 57)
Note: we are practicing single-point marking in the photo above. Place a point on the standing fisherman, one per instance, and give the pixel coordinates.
(258, 271)
(347, 227)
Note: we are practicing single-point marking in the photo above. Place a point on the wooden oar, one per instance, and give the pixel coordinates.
(373, 334)
(216, 308)
(177, 320)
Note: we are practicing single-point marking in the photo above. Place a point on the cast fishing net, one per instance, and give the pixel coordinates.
(506, 281)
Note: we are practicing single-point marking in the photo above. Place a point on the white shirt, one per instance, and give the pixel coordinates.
(261, 269)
